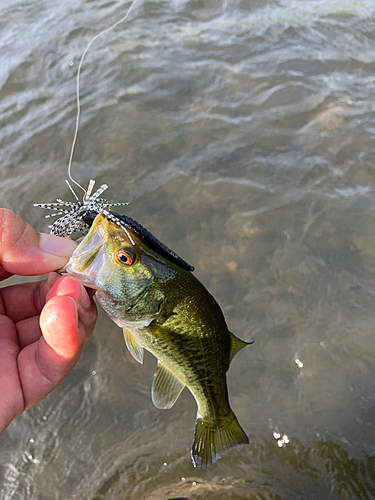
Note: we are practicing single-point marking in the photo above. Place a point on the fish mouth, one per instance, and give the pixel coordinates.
(90, 256)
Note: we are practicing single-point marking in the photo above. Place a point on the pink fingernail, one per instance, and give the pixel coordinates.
(84, 300)
(55, 245)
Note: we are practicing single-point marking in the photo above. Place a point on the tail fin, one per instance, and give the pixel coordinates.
(213, 439)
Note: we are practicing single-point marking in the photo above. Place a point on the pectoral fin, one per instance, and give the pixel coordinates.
(166, 388)
(134, 347)
(236, 345)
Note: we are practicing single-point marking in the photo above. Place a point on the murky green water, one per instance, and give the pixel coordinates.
(242, 133)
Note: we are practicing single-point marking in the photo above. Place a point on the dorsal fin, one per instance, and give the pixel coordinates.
(134, 347)
(166, 388)
(236, 345)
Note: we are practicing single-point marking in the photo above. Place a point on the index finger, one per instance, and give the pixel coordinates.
(26, 252)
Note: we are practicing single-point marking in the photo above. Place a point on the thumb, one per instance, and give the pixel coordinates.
(26, 252)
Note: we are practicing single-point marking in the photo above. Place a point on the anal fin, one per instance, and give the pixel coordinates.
(236, 345)
(134, 347)
(166, 388)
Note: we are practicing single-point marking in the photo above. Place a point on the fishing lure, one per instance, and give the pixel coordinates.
(74, 214)
(77, 217)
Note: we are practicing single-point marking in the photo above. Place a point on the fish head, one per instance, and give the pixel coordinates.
(126, 274)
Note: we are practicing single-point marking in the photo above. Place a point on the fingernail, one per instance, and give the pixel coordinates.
(84, 300)
(55, 245)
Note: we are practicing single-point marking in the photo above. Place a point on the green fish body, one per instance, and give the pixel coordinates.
(163, 308)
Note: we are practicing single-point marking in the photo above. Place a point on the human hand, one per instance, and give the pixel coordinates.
(43, 325)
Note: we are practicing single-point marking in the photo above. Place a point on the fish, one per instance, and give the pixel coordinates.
(152, 294)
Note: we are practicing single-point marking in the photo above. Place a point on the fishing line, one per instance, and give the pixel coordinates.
(78, 90)
(74, 215)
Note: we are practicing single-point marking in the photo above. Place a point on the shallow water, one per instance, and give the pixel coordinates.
(242, 133)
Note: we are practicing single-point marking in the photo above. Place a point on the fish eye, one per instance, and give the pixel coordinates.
(124, 258)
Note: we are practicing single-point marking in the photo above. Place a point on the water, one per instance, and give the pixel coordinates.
(242, 133)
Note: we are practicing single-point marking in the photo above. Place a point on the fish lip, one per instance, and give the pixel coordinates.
(79, 277)
(90, 244)
(62, 270)
(84, 277)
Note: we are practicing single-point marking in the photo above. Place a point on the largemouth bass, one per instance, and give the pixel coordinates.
(163, 308)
